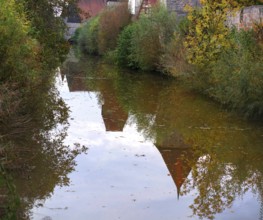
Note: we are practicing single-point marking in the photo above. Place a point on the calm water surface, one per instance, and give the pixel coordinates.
(155, 151)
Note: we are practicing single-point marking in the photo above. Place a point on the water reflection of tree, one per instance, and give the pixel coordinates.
(35, 158)
(223, 152)
(220, 179)
(229, 149)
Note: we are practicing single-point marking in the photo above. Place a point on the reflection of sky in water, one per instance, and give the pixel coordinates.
(121, 177)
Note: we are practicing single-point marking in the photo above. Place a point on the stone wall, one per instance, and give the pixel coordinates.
(246, 18)
(72, 27)
(177, 6)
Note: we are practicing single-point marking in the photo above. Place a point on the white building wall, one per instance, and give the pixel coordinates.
(134, 6)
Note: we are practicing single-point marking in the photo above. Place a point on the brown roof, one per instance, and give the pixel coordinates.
(92, 7)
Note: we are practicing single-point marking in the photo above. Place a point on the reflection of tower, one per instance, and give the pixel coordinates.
(77, 83)
(75, 74)
(75, 77)
(177, 157)
(112, 112)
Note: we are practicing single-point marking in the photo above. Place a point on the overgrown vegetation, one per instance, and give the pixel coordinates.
(111, 22)
(200, 50)
(88, 37)
(236, 78)
(224, 64)
(32, 46)
(99, 34)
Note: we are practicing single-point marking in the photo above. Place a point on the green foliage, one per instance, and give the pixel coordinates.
(99, 35)
(75, 37)
(32, 40)
(237, 76)
(224, 65)
(18, 51)
(124, 50)
(48, 28)
(151, 35)
(32, 46)
(88, 36)
(207, 34)
(146, 39)
(174, 60)
(12, 203)
(232, 3)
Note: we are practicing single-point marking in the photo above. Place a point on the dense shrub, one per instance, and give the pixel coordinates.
(124, 50)
(112, 21)
(174, 60)
(88, 37)
(146, 39)
(99, 35)
(48, 29)
(237, 77)
(19, 52)
(32, 46)
(207, 33)
(223, 64)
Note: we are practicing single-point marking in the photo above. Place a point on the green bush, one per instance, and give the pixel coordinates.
(237, 77)
(18, 52)
(124, 50)
(32, 46)
(88, 36)
(174, 60)
(48, 29)
(99, 35)
(146, 39)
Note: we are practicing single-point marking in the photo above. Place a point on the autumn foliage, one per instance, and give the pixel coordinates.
(112, 21)
(99, 34)
(200, 50)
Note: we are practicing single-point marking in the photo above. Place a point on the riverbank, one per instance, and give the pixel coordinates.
(31, 50)
(32, 46)
(223, 63)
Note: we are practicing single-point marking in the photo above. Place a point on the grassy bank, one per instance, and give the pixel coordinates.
(199, 50)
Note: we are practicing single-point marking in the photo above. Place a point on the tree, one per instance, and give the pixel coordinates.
(48, 28)
(112, 21)
(208, 34)
(32, 46)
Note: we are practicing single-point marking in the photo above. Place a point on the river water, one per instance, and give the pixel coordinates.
(154, 150)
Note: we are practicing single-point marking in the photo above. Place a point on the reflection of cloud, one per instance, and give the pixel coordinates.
(111, 181)
(114, 116)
